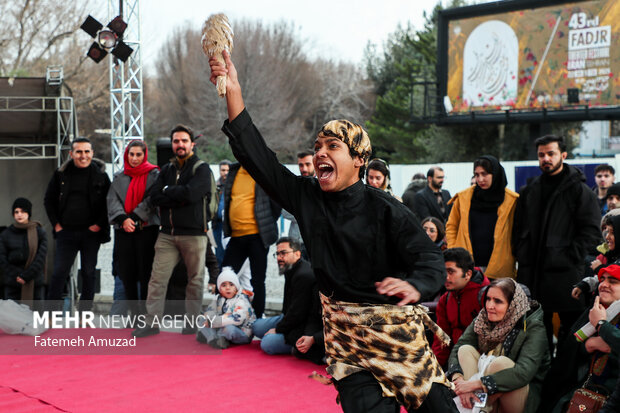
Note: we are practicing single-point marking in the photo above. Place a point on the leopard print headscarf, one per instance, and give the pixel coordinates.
(491, 334)
(352, 134)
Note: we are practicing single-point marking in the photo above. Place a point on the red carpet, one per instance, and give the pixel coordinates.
(239, 379)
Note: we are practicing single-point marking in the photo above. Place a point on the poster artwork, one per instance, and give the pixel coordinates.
(490, 65)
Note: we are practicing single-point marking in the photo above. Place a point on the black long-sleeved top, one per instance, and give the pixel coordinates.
(299, 283)
(354, 237)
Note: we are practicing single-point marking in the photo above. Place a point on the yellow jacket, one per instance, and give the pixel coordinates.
(502, 262)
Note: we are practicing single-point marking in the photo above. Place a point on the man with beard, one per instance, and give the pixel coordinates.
(556, 221)
(432, 201)
(280, 334)
(304, 162)
(179, 192)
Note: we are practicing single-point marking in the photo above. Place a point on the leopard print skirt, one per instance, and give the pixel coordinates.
(386, 340)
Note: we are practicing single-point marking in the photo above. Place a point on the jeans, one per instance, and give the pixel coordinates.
(271, 343)
(231, 333)
(119, 306)
(250, 246)
(68, 243)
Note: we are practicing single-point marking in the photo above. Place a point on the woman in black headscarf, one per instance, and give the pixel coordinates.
(481, 219)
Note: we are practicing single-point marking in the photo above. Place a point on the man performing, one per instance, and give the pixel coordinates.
(370, 256)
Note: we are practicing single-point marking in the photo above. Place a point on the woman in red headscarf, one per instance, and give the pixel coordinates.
(136, 223)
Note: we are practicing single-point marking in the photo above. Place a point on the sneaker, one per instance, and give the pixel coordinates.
(145, 331)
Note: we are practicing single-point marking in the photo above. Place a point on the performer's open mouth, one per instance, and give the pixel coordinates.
(325, 172)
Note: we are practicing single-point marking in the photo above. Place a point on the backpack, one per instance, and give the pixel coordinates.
(208, 210)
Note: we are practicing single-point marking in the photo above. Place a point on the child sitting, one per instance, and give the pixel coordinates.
(229, 318)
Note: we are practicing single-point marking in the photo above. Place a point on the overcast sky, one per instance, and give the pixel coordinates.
(335, 29)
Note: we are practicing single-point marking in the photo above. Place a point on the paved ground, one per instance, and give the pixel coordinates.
(274, 281)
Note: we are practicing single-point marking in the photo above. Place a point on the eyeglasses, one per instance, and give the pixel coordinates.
(281, 253)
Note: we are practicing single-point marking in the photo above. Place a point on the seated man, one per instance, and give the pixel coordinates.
(280, 334)
(462, 302)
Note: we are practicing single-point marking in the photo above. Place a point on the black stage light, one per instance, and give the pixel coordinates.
(106, 39)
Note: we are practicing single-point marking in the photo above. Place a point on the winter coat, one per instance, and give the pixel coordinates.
(456, 310)
(14, 254)
(179, 193)
(59, 189)
(118, 193)
(266, 212)
(550, 243)
(425, 204)
(502, 263)
(530, 353)
(236, 311)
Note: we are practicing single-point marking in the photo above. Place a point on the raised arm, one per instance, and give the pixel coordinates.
(234, 98)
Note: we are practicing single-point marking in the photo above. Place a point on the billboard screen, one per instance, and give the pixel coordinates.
(534, 58)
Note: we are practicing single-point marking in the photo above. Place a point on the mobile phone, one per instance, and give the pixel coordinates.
(483, 399)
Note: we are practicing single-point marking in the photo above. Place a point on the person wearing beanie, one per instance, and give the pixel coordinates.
(612, 198)
(229, 317)
(370, 256)
(23, 249)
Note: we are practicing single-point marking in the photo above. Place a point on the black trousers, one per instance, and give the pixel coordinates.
(567, 319)
(237, 251)
(134, 253)
(361, 393)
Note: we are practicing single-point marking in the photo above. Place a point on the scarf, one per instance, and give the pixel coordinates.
(139, 176)
(490, 199)
(490, 334)
(387, 341)
(33, 246)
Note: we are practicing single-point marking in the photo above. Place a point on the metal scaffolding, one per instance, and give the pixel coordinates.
(66, 127)
(126, 101)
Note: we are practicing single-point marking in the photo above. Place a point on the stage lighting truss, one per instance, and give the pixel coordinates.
(108, 39)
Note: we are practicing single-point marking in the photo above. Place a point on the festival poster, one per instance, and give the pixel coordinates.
(529, 59)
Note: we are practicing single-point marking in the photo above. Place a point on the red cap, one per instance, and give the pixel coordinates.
(612, 270)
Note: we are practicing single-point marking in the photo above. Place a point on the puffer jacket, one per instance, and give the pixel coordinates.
(266, 212)
(14, 254)
(502, 262)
